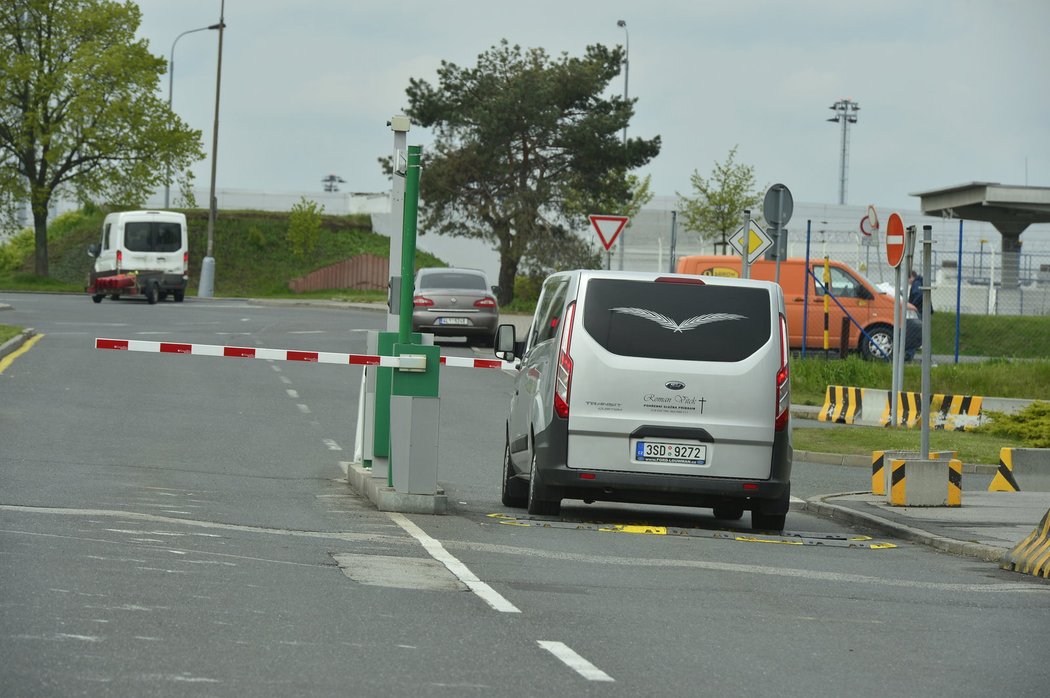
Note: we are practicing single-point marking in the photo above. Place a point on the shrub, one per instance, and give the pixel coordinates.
(1031, 425)
(304, 226)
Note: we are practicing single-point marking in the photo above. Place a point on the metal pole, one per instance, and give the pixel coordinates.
(895, 386)
(674, 239)
(408, 242)
(207, 282)
(171, 75)
(958, 291)
(626, 69)
(927, 244)
(805, 291)
(745, 264)
(400, 125)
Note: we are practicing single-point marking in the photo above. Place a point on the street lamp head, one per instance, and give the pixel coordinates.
(621, 23)
(220, 25)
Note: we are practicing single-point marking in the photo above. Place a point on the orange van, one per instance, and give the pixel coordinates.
(870, 309)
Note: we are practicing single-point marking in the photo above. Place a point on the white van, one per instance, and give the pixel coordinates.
(141, 252)
(651, 388)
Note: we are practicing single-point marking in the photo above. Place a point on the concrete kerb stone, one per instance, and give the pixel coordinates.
(15, 343)
(388, 499)
(821, 507)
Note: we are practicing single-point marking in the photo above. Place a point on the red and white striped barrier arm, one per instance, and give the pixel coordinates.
(322, 357)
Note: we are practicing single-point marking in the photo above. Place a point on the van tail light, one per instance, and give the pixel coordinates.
(422, 302)
(185, 261)
(486, 302)
(783, 406)
(563, 378)
(120, 259)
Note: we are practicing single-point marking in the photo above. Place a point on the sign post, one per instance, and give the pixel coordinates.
(777, 209)
(749, 241)
(894, 255)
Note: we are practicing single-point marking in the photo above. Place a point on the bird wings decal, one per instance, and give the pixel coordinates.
(667, 323)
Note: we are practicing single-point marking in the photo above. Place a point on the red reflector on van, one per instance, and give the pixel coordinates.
(587, 476)
(696, 281)
(750, 486)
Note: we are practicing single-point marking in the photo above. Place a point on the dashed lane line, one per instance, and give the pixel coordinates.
(574, 661)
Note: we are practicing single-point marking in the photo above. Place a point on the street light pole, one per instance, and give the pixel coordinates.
(846, 113)
(206, 288)
(171, 75)
(626, 69)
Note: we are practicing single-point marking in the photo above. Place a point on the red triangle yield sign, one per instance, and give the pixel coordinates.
(608, 227)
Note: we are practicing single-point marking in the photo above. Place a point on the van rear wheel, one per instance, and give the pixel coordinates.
(541, 501)
(729, 513)
(152, 293)
(98, 297)
(767, 522)
(178, 296)
(515, 492)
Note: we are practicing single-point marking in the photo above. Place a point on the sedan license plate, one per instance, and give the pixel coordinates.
(667, 452)
(453, 321)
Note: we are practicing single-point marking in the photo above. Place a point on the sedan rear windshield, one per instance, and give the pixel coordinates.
(153, 236)
(690, 322)
(471, 282)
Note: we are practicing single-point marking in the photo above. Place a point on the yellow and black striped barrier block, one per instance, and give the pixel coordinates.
(928, 485)
(1004, 477)
(1032, 555)
(948, 412)
(878, 472)
(842, 404)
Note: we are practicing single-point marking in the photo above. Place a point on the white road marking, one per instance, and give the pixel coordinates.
(574, 661)
(332, 445)
(487, 594)
(308, 332)
(285, 379)
(303, 408)
(294, 394)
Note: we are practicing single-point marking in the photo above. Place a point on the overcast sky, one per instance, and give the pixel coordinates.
(950, 91)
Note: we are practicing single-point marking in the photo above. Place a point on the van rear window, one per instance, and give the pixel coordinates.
(152, 236)
(677, 321)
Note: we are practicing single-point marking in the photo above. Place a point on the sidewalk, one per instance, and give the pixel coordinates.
(987, 525)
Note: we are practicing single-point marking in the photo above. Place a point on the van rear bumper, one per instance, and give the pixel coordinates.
(771, 495)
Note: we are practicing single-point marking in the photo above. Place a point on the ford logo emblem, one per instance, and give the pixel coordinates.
(674, 385)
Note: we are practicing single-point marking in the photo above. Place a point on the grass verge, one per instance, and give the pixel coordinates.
(9, 331)
(862, 440)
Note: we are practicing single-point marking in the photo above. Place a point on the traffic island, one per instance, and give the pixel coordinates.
(387, 498)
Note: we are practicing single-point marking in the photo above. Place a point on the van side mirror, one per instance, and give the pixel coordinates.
(93, 250)
(506, 343)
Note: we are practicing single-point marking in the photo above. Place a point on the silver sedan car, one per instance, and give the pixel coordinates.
(452, 302)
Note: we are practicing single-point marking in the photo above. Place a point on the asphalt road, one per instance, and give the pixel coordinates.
(174, 525)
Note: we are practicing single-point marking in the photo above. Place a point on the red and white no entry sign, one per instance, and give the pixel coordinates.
(894, 240)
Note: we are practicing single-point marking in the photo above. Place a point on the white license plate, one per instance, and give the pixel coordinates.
(669, 452)
(453, 321)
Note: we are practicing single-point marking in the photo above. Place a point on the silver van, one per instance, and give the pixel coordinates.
(651, 388)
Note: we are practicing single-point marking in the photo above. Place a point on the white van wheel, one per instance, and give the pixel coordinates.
(537, 492)
(152, 293)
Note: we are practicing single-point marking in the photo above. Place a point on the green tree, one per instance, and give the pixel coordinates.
(523, 143)
(79, 110)
(717, 206)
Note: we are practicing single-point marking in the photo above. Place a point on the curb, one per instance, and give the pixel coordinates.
(819, 505)
(15, 343)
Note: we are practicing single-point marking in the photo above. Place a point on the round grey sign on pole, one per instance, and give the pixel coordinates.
(778, 205)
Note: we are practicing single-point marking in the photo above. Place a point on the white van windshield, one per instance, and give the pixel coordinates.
(689, 322)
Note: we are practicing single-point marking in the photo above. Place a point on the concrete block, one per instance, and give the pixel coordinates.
(926, 483)
(1022, 470)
